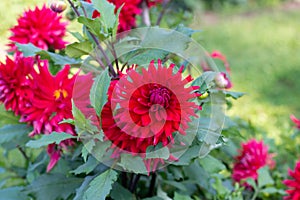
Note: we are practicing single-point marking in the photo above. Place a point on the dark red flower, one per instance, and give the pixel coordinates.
(16, 83)
(41, 27)
(296, 121)
(152, 106)
(127, 18)
(252, 157)
(293, 184)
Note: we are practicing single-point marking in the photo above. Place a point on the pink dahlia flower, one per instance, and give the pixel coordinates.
(293, 184)
(252, 157)
(16, 83)
(296, 121)
(41, 27)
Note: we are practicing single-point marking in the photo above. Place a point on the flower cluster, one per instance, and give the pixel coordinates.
(27, 87)
(252, 157)
(293, 184)
(41, 27)
(29, 90)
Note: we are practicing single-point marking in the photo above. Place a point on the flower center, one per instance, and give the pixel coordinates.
(60, 93)
(160, 95)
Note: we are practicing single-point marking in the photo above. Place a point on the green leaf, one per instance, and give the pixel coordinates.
(31, 50)
(143, 57)
(9, 133)
(205, 81)
(178, 196)
(99, 149)
(162, 152)
(28, 49)
(82, 124)
(77, 35)
(264, 177)
(234, 95)
(251, 182)
(76, 50)
(100, 186)
(7, 117)
(107, 11)
(94, 26)
(87, 167)
(186, 30)
(53, 186)
(133, 164)
(98, 94)
(12, 193)
(211, 164)
(187, 157)
(118, 192)
(154, 198)
(45, 140)
(84, 186)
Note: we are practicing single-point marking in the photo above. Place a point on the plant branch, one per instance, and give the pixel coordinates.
(166, 4)
(111, 69)
(145, 14)
(152, 184)
(23, 153)
(134, 183)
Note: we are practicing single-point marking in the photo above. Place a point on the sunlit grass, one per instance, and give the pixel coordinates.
(263, 50)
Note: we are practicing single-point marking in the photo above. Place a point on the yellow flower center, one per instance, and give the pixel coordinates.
(60, 93)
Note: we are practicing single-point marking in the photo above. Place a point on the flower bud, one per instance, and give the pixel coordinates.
(222, 81)
(58, 6)
(204, 95)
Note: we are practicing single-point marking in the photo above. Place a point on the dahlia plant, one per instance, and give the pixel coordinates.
(119, 112)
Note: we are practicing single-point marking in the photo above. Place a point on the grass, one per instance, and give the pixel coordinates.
(263, 50)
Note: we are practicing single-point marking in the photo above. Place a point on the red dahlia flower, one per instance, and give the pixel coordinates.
(16, 83)
(296, 121)
(51, 104)
(41, 27)
(252, 157)
(153, 106)
(293, 184)
(127, 15)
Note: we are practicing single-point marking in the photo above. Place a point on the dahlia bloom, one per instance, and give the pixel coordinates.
(16, 83)
(41, 27)
(50, 104)
(296, 121)
(146, 109)
(252, 157)
(293, 184)
(127, 15)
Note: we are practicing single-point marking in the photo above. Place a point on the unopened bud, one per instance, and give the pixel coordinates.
(58, 6)
(222, 81)
(203, 95)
